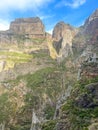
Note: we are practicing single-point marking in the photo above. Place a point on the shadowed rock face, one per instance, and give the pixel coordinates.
(89, 100)
(91, 27)
(28, 26)
(91, 24)
(88, 34)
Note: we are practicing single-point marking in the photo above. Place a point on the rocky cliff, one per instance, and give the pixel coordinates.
(88, 34)
(91, 24)
(23, 30)
(63, 35)
(30, 27)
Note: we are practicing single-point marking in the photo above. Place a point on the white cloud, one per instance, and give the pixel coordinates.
(75, 3)
(46, 16)
(4, 25)
(50, 31)
(8, 5)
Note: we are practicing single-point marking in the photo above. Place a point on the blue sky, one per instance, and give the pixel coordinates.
(74, 12)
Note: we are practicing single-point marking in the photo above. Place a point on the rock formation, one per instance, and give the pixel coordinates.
(91, 24)
(63, 35)
(22, 30)
(32, 27)
(88, 34)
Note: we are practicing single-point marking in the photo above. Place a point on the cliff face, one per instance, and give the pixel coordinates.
(63, 35)
(23, 30)
(32, 27)
(60, 29)
(88, 34)
(91, 24)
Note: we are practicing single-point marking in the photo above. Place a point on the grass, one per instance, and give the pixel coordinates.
(38, 40)
(12, 58)
(49, 125)
(14, 54)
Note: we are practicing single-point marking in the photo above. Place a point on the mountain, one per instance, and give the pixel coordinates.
(63, 35)
(49, 82)
(88, 34)
(25, 36)
(91, 26)
(24, 31)
(31, 27)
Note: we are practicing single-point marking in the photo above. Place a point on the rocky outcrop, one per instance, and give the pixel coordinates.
(23, 30)
(22, 69)
(60, 29)
(89, 69)
(63, 35)
(88, 35)
(91, 24)
(32, 27)
(91, 28)
(90, 100)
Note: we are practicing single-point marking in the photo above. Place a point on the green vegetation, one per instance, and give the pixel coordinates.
(15, 56)
(50, 125)
(44, 82)
(12, 58)
(43, 86)
(49, 111)
(38, 40)
(80, 117)
(6, 108)
(41, 55)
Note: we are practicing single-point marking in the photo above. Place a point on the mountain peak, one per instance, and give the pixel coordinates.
(60, 29)
(93, 16)
(31, 26)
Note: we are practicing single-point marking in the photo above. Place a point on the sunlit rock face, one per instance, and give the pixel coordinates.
(22, 30)
(63, 35)
(28, 26)
(60, 30)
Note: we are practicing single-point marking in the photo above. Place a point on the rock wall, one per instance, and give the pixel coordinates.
(21, 30)
(88, 34)
(28, 26)
(63, 35)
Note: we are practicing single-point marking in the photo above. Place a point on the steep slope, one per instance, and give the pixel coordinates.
(80, 111)
(88, 35)
(30, 27)
(24, 37)
(24, 34)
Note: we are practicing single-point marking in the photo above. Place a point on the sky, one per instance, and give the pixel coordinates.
(74, 12)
